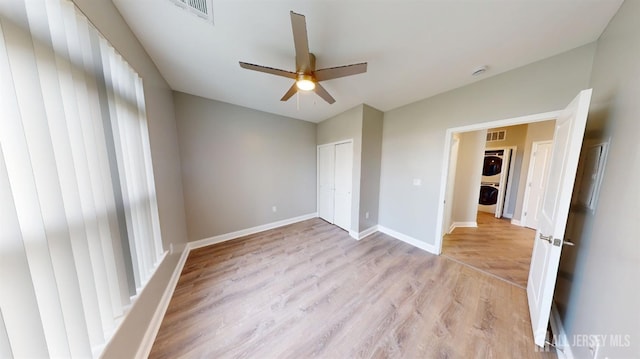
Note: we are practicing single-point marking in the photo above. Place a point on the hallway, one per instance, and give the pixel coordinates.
(496, 247)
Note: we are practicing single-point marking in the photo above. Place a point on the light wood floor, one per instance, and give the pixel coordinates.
(496, 246)
(310, 291)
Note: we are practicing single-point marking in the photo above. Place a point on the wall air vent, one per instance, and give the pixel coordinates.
(496, 135)
(200, 8)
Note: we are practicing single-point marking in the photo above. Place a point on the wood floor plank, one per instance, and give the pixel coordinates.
(308, 290)
(495, 246)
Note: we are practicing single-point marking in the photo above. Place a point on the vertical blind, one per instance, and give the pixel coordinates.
(79, 226)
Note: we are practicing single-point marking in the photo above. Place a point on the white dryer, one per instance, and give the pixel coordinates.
(489, 194)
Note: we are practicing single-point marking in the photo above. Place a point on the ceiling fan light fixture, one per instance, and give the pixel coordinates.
(305, 82)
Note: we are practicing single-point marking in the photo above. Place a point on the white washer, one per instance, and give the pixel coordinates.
(489, 194)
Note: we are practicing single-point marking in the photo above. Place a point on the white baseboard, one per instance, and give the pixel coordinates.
(409, 240)
(245, 232)
(154, 325)
(507, 215)
(472, 224)
(516, 222)
(367, 232)
(562, 342)
(455, 225)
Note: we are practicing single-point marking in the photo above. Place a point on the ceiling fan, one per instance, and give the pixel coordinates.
(306, 77)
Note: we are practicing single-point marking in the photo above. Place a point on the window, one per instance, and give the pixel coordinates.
(79, 226)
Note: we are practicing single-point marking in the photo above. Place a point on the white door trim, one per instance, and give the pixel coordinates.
(475, 127)
(527, 189)
(318, 167)
(336, 142)
(448, 227)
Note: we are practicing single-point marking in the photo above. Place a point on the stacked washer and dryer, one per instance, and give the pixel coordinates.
(494, 181)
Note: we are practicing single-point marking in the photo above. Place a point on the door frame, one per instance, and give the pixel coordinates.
(539, 117)
(451, 177)
(350, 140)
(527, 189)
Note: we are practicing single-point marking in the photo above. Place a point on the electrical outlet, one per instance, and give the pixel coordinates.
(274, 209)
(170, 248)
(366, 215)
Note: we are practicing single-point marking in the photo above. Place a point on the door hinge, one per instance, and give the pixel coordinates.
(553, 345)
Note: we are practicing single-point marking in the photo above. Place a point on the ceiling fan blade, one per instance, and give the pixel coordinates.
(269, 70)
(324, 94)
(292, 91)
(340, 71)
(301, 42)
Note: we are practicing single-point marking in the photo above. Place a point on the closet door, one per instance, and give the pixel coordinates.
(326, 164)
(343, 184)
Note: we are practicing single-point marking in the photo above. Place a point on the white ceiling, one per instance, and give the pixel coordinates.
(415, 49)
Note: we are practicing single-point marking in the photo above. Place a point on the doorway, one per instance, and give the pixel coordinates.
(554, 209)
(497, 182)
(495, 242)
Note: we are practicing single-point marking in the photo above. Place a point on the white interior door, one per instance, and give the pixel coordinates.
(553, 212)
(343, 184)
(326, 193)
(538, 167)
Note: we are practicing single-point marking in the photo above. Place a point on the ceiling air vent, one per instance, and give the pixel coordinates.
(201, 8)
(496, 135)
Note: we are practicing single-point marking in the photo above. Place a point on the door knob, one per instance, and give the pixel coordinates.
(546, 238)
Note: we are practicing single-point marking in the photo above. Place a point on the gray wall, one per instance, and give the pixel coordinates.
(413, 135)
(166, 169)
(363, 124)
(598, 281)
(538, 131)
(237, 163)
(370, 178)
(468, 176)
(347, 126)
(515, 136)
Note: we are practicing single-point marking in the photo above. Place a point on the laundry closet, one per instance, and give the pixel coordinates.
(501, 170)
(496, 170)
